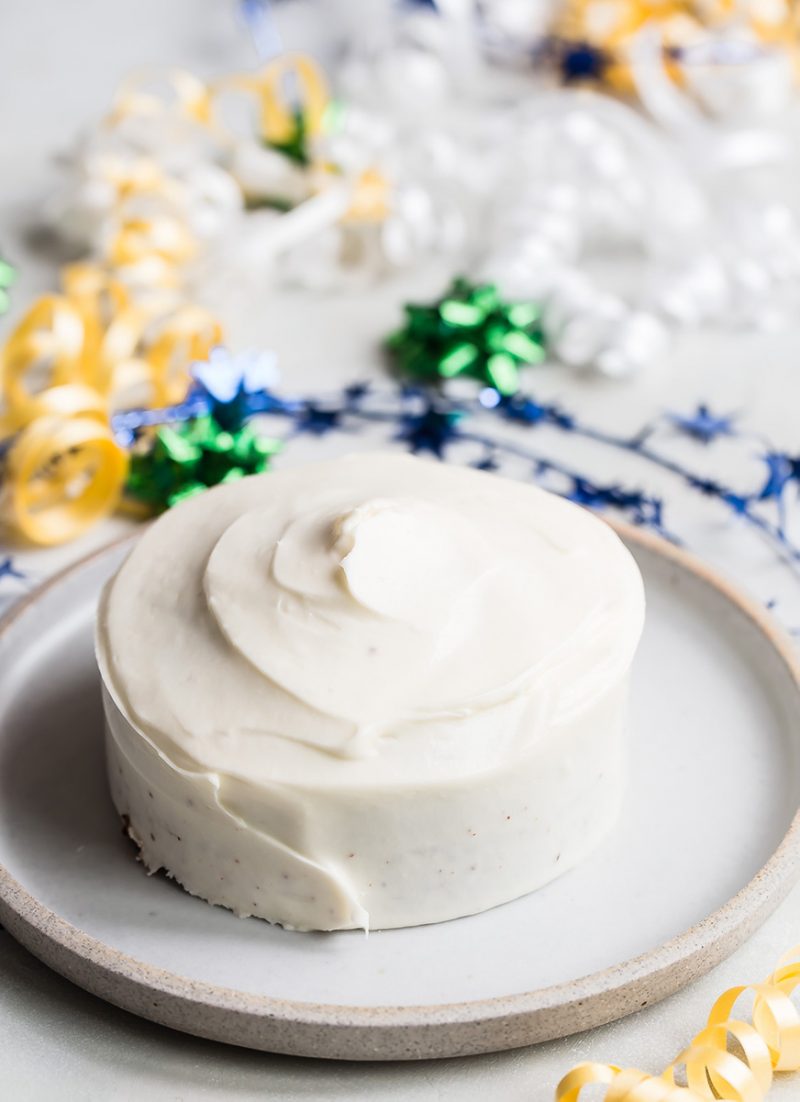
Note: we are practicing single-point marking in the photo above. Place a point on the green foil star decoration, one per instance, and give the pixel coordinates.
(8, 274)
(471, 331)
(183, 460)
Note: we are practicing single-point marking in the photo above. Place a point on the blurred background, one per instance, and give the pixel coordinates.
(302, 182)
(234, 235)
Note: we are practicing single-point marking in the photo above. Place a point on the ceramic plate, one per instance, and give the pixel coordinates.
(707, 845)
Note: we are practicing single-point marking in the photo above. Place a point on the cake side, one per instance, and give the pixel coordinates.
(382, 857)
(384, 692)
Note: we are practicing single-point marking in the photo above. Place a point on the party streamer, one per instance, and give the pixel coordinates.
(432, 420)
(123, 329)
(732, 1059)
(63, 467)
(595, 39)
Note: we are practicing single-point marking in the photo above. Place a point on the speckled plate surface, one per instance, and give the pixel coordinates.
(708, 844)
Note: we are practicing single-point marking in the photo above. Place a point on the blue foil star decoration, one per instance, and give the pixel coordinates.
(316, 419)
(640, 507)
(781, 470)
(709, 487)
(356, 393)
(706, 486)
(739, 503)
(585, 492)
(224, 375)
(651, 514)
(8, 570)
(582, 61)
(526, 409)
(430, 431)
(703, 425)
(235, 384)
(487, 463)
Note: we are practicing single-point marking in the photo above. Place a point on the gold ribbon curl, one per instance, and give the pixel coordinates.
(187, 96)
(122, 326)
(73, 355)
(277, 112)
(61, 372)
(64, 474)
(277, 119)
(611, 26)
(277, 104)
(731, 1060)
(51, 337)
(98, 337)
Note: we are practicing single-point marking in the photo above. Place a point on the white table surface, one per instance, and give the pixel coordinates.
(60, 63)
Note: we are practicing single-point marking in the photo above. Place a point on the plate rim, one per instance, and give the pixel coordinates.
(322, 1028)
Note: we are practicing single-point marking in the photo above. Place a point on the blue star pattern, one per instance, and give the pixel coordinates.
(526, 409)
(429, 420)
(316, 419)
(430, 431)
(13, 582)
(703, 425)
(224, 376)
(582, 61)
(234, 385)
(781, 470)
(9, 570)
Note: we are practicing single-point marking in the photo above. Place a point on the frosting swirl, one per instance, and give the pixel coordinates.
(389, 614)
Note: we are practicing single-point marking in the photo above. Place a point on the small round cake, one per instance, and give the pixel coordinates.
(368, 693)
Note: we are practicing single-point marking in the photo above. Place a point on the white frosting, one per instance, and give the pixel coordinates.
(362, 666)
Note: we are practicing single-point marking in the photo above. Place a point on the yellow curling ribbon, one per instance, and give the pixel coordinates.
(112, 324)
(370, 198)
(277, 110)
(164, 236)
(188, 335)
(98, 336)
(610, 25)
(122, 328)
(148, 216)
(46, 348)
(131, 178)
(94, 290)
(190, 98)
(278, 123)
(70, 400)
(100, 292)
(64, 474)
(731, 1059)
(62, 368)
